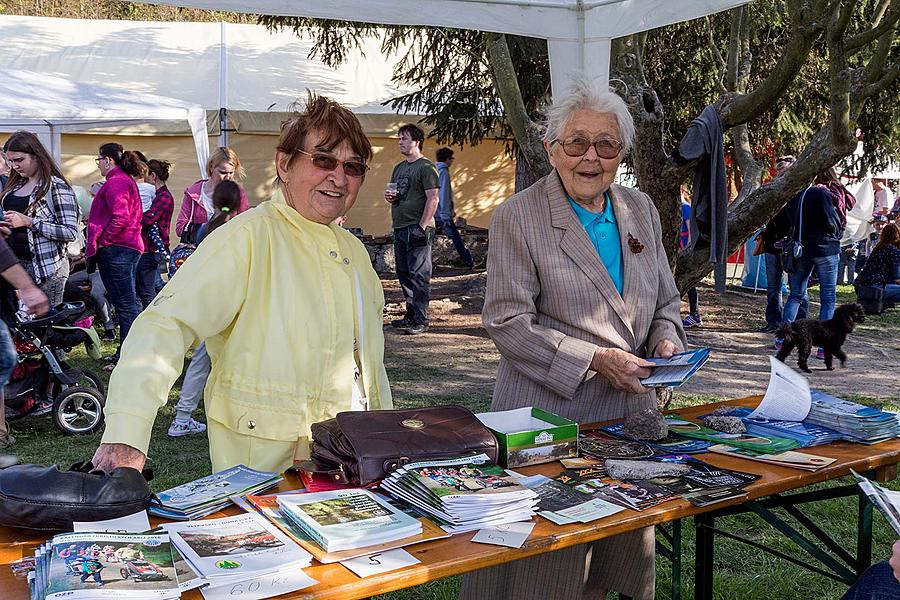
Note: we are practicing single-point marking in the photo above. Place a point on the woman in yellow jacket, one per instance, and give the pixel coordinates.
(289, 306)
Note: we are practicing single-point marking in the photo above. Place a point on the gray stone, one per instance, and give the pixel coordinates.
(647, 424)
(643, 469)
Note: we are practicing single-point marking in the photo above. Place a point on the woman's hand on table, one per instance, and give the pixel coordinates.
(622, 369)
(109, 456)
(665, 349)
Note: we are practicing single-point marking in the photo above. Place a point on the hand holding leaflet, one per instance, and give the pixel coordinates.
(675, 370)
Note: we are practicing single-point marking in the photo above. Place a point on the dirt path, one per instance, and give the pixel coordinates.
(456, 358)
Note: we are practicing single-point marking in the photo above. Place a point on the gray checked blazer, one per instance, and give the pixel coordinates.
(550, 302)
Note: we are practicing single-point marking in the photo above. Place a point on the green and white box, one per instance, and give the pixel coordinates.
(531, 436)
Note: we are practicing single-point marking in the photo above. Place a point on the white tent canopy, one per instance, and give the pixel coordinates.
(579, 32)
(49, 106)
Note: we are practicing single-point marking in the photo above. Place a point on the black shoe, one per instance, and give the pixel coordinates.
(401, 323)
(109, 335)
(416, 329)
(768, 329)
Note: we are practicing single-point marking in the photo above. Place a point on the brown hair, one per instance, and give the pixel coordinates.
(827, 176)
(224, 154)
(890, 236)
(28, 143)
(334, 121)
(127, 160)
(160, 168)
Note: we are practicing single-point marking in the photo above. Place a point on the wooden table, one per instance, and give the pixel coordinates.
(457, 555)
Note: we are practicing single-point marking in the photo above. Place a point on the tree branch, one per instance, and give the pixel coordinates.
(887, 80)
(839, 75)
(507, 85)
(745, 107)
(717, 56)
(881, 24)
(734, 49)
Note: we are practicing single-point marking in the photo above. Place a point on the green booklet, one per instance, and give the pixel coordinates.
(758, 443)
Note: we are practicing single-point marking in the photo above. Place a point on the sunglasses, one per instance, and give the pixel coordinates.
(327, 162)
(578, 146)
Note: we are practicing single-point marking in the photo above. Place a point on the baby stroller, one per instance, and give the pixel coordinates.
(42, 377)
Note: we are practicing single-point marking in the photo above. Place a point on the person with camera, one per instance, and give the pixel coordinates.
(414, 200)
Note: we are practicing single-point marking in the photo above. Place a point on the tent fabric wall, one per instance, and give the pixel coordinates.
(483, 176)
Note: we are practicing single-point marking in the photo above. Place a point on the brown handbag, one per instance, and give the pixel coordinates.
(358, 448)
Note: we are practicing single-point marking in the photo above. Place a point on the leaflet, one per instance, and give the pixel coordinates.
(787, 397)
(675, 370)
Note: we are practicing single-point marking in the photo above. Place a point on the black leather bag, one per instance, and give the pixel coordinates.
(871, 298)
(361, 447)
(45, 498)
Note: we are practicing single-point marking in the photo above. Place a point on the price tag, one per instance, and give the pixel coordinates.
(365, 566)
(257, 588)
(512, 535)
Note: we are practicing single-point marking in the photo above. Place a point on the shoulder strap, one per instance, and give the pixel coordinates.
(800, 216)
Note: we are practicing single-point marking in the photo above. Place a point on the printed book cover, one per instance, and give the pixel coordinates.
(216, 487)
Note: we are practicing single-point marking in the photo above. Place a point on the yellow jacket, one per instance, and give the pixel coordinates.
(275, 296)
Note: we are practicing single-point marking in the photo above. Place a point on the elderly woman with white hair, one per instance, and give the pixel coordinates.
(579, 292)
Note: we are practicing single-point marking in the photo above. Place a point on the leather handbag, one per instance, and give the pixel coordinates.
(793, 250)
(45, 498)
(359, 447)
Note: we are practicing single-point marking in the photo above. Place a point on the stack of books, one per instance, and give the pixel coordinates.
(202, 497)
(465, 493)
(232, 550)
(855, 422)
(105, 565)
(346, 519)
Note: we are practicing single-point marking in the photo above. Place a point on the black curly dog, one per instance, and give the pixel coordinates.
(830, 335)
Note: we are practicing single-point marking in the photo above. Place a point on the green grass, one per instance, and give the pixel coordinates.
(741, 572)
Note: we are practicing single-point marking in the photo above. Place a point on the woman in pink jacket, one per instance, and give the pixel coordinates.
(196, 206)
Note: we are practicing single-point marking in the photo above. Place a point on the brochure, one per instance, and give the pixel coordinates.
(207, 495)
(887, 501)
(790, 458)
(236, 547)
(761, 444)
(787, 396)
(600, 445)
(671, 444)
(107, 565)
(675, 370)
(805, 433)
(345, 519)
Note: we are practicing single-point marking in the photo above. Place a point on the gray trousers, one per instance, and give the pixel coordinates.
(194, 381)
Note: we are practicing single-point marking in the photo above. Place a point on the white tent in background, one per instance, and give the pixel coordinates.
(49, 106)
(579, 33)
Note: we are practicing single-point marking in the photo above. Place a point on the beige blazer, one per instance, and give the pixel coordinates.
(550, 302)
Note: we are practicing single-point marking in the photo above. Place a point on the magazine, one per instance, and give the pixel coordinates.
(671, 444)
(675, 370)
(107, 565)
(597, 444)
(345, 519)
(236, 547)
(805, 433)
(207, 495)
(268, 507)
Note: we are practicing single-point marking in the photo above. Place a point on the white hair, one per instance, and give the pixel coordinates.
(585, 94)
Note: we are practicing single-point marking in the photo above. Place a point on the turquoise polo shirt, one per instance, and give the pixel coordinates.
(603, 232)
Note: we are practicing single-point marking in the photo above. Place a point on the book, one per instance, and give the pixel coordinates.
(234, 548)
(762, 444)
(269, 508)
(107, 565)
(856, 422)
(346, 519)
(675, 370)
(204, 496)
(789, 458)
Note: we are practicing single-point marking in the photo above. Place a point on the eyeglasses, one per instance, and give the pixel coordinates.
(327, 162)
(578, 146)
(98, 159)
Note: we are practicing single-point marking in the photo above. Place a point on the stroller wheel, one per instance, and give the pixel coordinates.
(78, 410)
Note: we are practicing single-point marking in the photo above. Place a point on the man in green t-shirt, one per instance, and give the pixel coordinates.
(413, 204)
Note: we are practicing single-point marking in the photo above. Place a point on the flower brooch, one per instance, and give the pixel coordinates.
(635, 245)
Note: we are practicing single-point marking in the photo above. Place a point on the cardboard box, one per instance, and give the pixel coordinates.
(531, 436)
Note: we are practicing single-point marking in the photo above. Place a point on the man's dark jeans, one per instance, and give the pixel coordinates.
(449, 229)
(145, 280)
(413, 265)
(117, 266)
